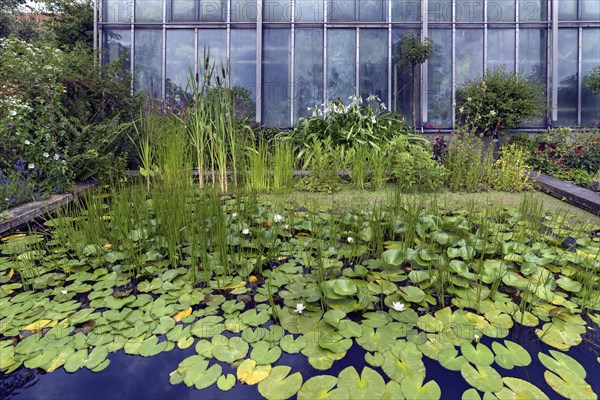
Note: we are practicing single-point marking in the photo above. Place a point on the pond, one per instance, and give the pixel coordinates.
(128, 297)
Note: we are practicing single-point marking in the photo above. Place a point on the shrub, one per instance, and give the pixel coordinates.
(413, 166)
(469, 164)
(593, 81)
(498, 100)
(511, 170)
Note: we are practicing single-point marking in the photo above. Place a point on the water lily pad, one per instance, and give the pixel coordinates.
(560, 362)
(472, 394)
(520, 389)
(226, 382)
(402, 360)
(375, 359)
(320, 388)
(570, 385)
(369, 385)
(412, 294)
(263, 353)
(560, 336)
(250, 373)
(196, 372)
(393, 391)
(229, 349)
(349, 329)
(510, 355)
(450, 359)
(480, 355)
(413, 388)
(291, 345)
(253, 318)
(484, 378)
(278, 385)
(333, 317)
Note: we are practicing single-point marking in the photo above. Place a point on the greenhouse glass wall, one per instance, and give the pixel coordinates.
(294, 54)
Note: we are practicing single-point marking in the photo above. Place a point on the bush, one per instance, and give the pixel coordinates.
(413, 166)
(593, 81)
(498, 100)
(511, 170)
(61, 114)
(469, 164)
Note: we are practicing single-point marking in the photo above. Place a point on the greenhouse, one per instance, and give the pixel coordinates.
(294, 54)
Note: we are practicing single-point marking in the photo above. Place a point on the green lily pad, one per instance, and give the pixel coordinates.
(250, 373)
(226, 382)
(393, 391)
(560, 336)
(481, 355)
(349, 329)
(369, 385)
(560, 362)
(262, 353)
(510, 355)
(520, 389)
(570, 385)
(291, 345)
(196, 372)
(253, 318)
(484, 378)
(413, 388)
(375, 359)
(402, 360)
(412, 294)
(450, 359)
(472, 394)
(320, 388)
(333, 317)
(278, 385)
(229, 349)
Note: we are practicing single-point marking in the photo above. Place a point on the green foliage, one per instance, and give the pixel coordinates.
(469, 164)
(499, 100)
(414, 51)
(71, 23)
(593, 80)
(413, 166)
(511, 170)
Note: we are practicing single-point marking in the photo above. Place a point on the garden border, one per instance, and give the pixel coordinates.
(26, 212)
(576, 195)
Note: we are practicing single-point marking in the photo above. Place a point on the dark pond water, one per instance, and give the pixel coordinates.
(134, 377)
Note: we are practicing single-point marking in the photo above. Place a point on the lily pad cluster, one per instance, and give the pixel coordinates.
(248, 281)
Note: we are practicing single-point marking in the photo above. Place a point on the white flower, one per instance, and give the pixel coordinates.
(350, 239)
(492, 113)
(287, 226)
(31, 166)
(476, 338)
(277, 218)
(64, 161)
(56, 156)
(245, 231)
(398, 306)
(27, 142)
(469, 99)
(17, 133)
(373, 120)
(45, 154)
(372, 97)
(299, 308)
(383, 107)
(13, 113)
(64, 291)
(461, 110)
(234, 215)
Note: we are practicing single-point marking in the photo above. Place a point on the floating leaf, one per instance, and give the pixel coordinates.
(262, 353)
(510, 355)
(291, 345)
(229, 349)
(484, 378)
(413, 388)
(559, 362)
(520, 389)
(481, 355)
(472, 394)
(450, 359)
(375, 359)
(182, 314)
(196, 372)
(560, 336)
(570, 385)
(250, 373)
(369, 385)
(226, 382)
(393, 391)
(278, 385)
(412, 294)
(402, 360)
(320, 388)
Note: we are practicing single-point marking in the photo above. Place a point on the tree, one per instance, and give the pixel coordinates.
(415, 52)
(71, 22)
(593, 81)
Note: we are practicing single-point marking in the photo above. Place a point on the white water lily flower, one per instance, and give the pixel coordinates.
(45, 154)
(31, 166)
(245, 231)
(299, 308)
(350, 239)
(476, 338)
(64, 291)
(398, 306)
(277, 218)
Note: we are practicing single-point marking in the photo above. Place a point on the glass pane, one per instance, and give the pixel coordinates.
(309, 71)
(469, 11)
(406, 10)
(148, 61)
(309, 10)
(401, 79)
(567, 10)
(341, 10)
(439, 92)
(532, 61)
(567, 77)
(243, 60)
(243, 10)
(501, 49)
(341, 63)
(373, 66)
(117, 10)
(180, 62)
(532, 10)
(371, 10)
(590, 54)
(148, 11)
(212, 11)
(276, 77)
(183, 10)
(469, 54)
(501, 11)
(117, 43)
(439, 10)
(212, 43)
(277, 10)
(590, 10)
